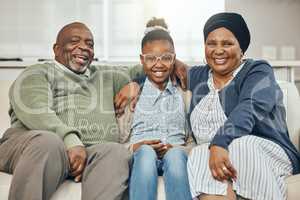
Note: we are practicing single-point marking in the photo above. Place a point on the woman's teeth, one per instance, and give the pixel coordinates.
(220, 61)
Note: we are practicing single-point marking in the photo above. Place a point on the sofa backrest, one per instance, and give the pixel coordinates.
(291, 101)
(4, 105)
(292, 105)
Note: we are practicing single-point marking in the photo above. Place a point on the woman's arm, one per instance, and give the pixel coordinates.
(258, 96)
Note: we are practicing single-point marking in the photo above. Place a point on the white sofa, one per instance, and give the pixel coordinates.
(72, 191)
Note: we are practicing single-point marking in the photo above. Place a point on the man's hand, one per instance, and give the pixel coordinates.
(77, 157)
(163, 150)
(128, 94)
(180, 72)
(220, 165)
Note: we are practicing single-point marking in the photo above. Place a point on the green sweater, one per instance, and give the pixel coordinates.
(79, 108)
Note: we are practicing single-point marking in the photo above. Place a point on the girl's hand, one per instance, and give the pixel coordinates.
(163, 150)
(152, 143)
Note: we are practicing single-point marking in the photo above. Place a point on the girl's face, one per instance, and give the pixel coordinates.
(158, 59)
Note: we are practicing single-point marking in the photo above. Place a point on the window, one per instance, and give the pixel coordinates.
(28, 28)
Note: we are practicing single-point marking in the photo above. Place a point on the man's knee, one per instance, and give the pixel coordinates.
(46, 152)
(114, 150)
(119, 151)
(48, 143)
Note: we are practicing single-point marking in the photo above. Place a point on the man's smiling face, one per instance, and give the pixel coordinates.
(74, 47)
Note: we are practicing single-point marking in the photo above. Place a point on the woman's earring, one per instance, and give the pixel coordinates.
(204, 61)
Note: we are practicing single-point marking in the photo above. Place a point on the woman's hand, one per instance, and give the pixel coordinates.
(220, 165)
(128, 94)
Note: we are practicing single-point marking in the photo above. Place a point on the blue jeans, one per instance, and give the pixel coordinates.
(146, 169)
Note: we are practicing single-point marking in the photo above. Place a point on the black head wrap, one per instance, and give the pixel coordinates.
(233, 22)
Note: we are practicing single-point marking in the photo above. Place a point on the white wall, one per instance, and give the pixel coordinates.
(274, 27)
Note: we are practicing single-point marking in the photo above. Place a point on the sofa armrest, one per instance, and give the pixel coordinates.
(293, 185)
(292, 103)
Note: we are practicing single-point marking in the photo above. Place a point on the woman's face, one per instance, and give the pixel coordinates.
(222, 52)
(158, 58)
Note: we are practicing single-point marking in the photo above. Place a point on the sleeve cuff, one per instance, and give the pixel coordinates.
(221, 141)
(72, 140)
(223, 145)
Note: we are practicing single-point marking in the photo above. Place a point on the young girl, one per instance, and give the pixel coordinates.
(158, 127)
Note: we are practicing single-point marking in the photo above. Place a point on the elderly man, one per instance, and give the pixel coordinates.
(63, 124)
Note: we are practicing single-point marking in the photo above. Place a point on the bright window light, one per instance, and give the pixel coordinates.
(117, 25)
(186, 20)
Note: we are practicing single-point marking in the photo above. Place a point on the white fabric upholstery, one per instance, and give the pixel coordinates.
(72, 191)
(293, 183)
(292, 104)
(4, 105)
(4, 185)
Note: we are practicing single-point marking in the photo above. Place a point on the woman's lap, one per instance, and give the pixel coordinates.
(261, 168)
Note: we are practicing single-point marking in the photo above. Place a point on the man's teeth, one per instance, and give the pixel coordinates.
(81, 58)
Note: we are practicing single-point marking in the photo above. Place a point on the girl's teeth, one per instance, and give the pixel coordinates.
(158, 73)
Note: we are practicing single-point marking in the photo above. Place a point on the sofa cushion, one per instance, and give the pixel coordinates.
(4, 105)
(5, 180)
(72, 191)
(69, 190)
(293, 183)
(292, 104)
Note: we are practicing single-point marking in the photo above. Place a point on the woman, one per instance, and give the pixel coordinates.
(238, 119)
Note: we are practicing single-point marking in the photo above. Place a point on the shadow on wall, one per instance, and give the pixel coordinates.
(297, 82)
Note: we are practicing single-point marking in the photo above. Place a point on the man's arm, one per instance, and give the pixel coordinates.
(125, 75)
(31, 99)
(256, 100)
(126, 88)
